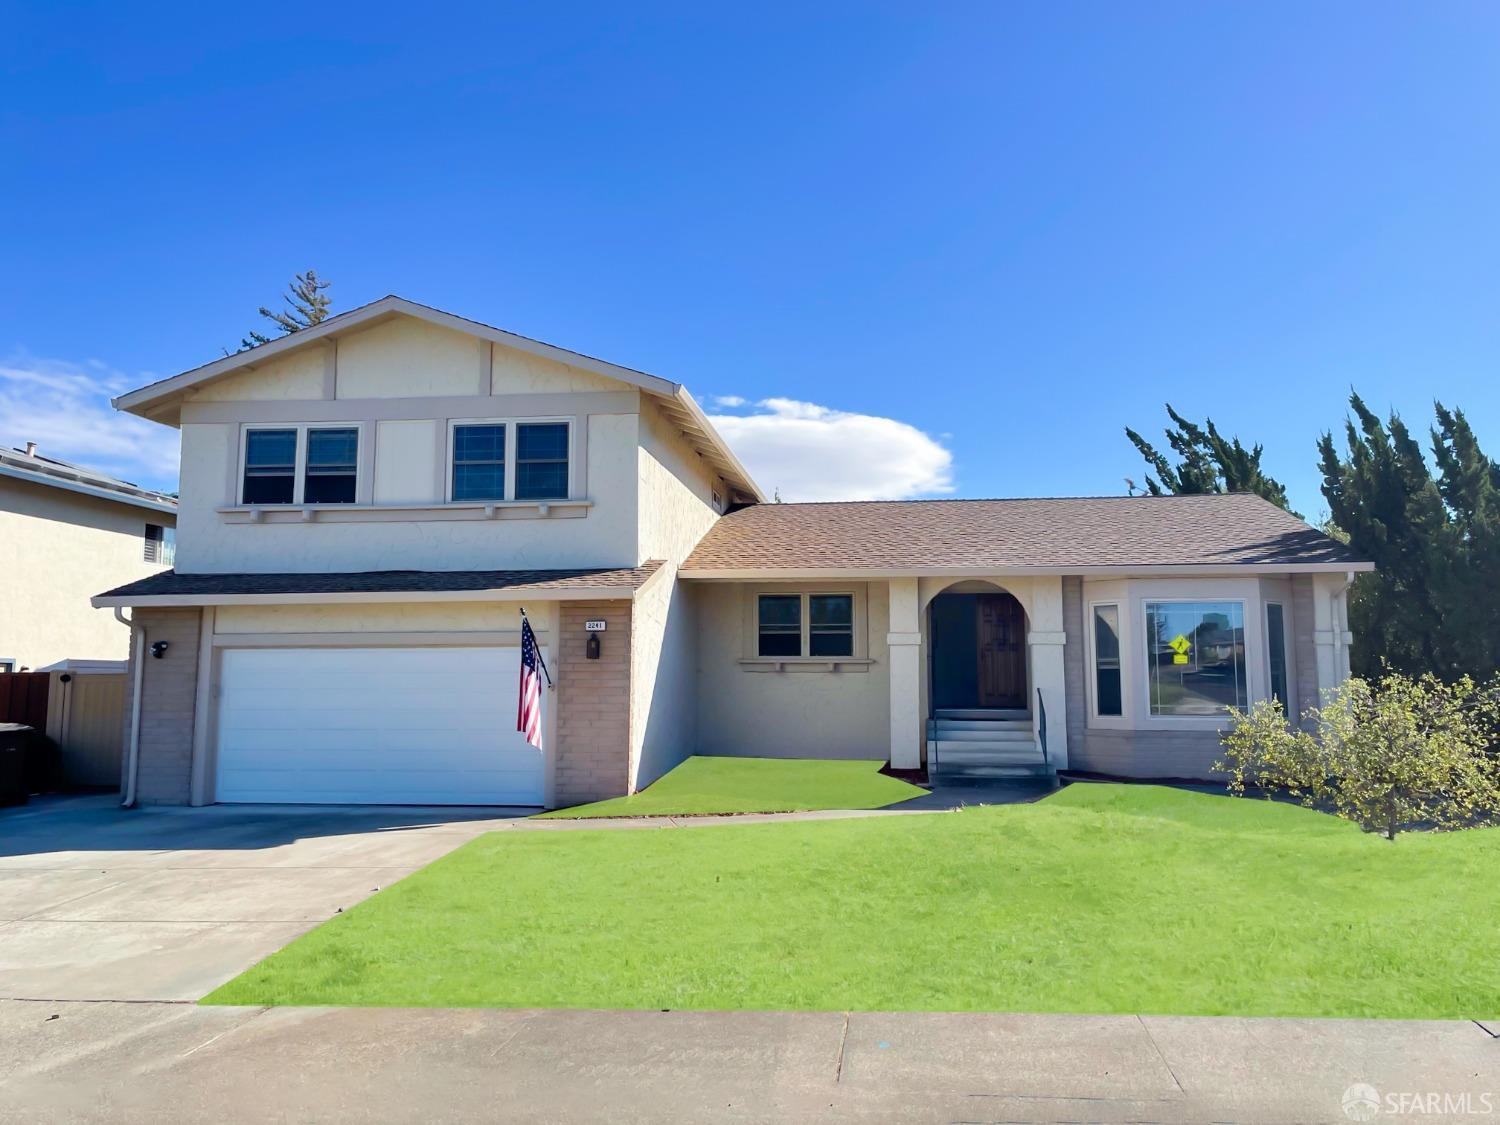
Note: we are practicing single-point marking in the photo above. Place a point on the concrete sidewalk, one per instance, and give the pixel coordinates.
(154, 1062)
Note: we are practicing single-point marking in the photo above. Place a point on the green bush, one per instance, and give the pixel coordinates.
(1388, 755)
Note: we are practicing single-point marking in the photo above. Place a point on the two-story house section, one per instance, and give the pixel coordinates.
(366, 509)
(368, 506)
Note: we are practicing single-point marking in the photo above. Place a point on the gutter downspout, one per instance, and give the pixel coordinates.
(138, 668)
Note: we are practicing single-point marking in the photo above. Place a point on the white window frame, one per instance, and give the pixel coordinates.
(1289, 704)
(7, 665)
(859, 645)
(299, 469)
(166, 529)
(1121, 606)
(510, 425)
(1252, 641)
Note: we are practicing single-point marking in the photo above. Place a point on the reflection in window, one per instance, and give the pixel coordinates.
(1107, 700)
(1276, 645)
(542, 461)
(270, 466)
(1195, 657)
(831, 625)
(332, 457)
(479, 462)
(780, 618)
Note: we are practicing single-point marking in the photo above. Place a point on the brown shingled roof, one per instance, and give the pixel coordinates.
(1075, 534)
(170, 584)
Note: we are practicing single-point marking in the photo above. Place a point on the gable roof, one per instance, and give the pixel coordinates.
(75, 478)
(160, 401)
(1140, 534)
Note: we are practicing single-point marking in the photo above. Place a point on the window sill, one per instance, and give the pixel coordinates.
(806, 664)
(405, 513)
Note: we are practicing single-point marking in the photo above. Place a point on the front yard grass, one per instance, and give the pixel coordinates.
(1101, 898)
(703, 786)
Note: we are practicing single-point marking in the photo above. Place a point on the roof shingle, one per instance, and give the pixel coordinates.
(171, 584)
(1052, 534)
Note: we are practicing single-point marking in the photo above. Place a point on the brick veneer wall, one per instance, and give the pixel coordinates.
(169, 691)
(592, 742)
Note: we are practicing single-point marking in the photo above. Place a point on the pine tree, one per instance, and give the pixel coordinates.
(1435, 541)
(306, 305)
(1207, 463)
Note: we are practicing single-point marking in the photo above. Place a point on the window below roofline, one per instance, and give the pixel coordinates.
(523, 475)
(815, 626)
(322, 462)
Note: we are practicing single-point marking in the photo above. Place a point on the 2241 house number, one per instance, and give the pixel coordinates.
(593, 626)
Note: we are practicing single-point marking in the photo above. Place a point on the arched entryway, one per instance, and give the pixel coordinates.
(978, 650)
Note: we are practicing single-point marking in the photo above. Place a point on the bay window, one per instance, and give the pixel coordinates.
(1195, 657)
(1108, 694)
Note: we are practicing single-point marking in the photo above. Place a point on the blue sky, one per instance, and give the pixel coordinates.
(969, 243)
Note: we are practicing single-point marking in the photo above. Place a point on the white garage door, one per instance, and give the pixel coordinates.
(424, 726)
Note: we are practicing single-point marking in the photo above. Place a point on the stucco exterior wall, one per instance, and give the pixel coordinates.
(676, 510)
(789, 714)
(603, 535)
(58, 549)
(168, 701)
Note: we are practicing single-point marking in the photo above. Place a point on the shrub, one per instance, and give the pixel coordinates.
(1389, 755)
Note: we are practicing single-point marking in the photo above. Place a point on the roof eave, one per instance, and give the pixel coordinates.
(1176, 570)
(84, 488)
(365, 597)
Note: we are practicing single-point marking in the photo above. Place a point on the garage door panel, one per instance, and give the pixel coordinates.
(390, 726)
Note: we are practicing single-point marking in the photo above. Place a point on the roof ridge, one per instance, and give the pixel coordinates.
(1010, 499)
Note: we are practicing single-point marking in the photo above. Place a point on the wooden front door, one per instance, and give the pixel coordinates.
(1002, 652)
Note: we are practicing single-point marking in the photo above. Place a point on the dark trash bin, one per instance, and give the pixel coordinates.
(15, 739)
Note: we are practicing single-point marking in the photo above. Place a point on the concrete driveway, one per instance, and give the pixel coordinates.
(100, 903)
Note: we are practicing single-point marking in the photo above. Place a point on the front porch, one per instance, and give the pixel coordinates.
(976, 677)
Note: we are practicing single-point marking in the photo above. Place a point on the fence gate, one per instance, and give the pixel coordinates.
(23, 698)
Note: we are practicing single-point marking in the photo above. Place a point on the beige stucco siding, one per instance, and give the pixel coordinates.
(297, 375)
(790, 714)
(57, 550)
(604, 534)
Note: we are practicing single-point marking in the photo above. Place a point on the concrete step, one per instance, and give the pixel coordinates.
(1023, 725)
(946, 734)
(947, 753)
(973, 773)
(991, 713)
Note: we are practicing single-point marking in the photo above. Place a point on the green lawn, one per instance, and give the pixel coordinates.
(750, 785)
(1101, 898)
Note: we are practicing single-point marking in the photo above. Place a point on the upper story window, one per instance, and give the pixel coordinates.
(301, 465)
(510, 461)
(332, 466)
(805, 625)
(270, 466)
(160, 544)
(1195, 657)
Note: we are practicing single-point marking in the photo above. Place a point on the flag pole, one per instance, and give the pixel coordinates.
(539, 658)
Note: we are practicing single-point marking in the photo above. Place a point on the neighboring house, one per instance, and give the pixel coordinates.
(368, 505)
(65, 533)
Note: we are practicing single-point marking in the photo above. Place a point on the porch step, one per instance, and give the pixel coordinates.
(990, 714)
(985, 753)
(985, 734)
(1023, 725)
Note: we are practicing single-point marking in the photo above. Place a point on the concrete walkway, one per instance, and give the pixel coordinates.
(181, 1063)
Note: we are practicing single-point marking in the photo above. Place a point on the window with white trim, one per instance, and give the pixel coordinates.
(160, 544)
(1195, 657)
(501, 461)
(804, 624)
(1276, 652)
(1109, 697)
(306, 464)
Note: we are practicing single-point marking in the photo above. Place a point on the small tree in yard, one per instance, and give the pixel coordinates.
(1388, 755)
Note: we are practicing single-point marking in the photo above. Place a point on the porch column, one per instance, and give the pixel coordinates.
(1331, 635)
(1045, 640)
(905, 647)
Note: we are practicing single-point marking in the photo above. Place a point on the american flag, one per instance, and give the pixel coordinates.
(529, 705)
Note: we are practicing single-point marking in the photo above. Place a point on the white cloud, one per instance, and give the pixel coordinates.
(809, 452)
(64, 408)
(728, 402)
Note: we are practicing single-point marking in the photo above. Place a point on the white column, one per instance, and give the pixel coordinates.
(1045, 639)
(905, 660)
(1331, 636)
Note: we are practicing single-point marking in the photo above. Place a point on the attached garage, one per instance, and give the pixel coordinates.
(404, 726)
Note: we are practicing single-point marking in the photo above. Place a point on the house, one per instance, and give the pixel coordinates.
(369, 505)
(65, 533)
